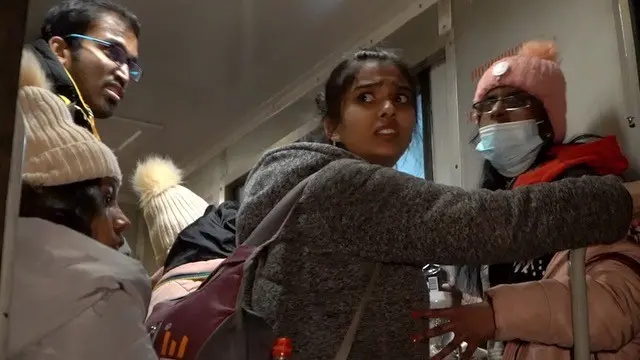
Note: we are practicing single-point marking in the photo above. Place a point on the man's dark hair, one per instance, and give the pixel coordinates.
(76, 16)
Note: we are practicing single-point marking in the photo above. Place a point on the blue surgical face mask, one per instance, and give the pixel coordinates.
(510, 147)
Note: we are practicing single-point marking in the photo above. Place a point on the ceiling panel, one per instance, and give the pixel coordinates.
(209, 64)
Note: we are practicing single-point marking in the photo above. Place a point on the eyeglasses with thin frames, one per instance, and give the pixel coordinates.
(510, 103)
(117, 54)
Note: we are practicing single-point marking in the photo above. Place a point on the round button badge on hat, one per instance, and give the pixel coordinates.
(500, 68)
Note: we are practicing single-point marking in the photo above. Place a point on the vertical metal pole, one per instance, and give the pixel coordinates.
(625, 30)
(579, 306)
(13, 17)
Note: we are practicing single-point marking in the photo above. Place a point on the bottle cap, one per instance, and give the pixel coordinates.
(282, 347)
(431, 269)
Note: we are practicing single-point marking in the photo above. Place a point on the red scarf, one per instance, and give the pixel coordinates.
(602, 156)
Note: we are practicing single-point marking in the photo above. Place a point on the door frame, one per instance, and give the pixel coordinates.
(13, 17)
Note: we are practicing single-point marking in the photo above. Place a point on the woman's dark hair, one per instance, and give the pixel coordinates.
(329, 102)
(73, 205)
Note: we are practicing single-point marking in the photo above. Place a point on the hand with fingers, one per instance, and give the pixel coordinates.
(473, 324)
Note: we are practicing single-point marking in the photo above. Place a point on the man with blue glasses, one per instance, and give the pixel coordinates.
(89, 50)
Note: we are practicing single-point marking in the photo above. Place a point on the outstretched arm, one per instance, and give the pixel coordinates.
(389, 216)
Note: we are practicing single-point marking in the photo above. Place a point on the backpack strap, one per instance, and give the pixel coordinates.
(274, 220)
(265, 233)
(626, 260)
(345, 347)
(199, 276)
(277, 217)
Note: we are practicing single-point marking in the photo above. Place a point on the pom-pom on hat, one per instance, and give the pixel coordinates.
(167, 206)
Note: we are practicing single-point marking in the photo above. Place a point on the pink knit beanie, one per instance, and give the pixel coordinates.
(534, 70)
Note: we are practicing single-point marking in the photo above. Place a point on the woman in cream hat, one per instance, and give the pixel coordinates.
(168, 209)
(73, 296)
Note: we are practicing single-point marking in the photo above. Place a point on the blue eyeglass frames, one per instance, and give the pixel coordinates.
(117, 54)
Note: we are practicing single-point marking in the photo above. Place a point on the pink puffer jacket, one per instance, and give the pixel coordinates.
(182, 280)
(535, 317)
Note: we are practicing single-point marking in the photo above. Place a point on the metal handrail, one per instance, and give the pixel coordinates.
(579, 305)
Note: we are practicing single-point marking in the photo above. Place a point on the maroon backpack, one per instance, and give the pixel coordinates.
(216, 322)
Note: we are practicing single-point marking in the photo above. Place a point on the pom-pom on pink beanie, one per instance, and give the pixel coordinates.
(535, 70)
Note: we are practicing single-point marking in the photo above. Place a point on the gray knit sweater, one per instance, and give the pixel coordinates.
(355, 213)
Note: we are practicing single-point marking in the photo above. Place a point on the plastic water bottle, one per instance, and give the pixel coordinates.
(436, 276)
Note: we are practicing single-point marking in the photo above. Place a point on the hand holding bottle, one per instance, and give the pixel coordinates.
(472, 324)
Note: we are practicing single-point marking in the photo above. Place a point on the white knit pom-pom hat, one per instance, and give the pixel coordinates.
(167, 206)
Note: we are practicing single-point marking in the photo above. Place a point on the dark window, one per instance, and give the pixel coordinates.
(235, 190)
